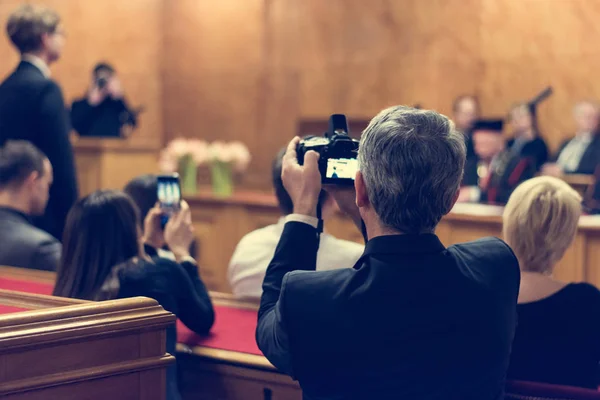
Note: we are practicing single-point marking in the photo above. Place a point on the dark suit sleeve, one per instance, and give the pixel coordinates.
(297, 250)
(47, 255)
(56, 145)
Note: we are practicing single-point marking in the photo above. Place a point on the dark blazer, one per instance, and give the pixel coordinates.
(536, 149)
(590, 159)
(104, 120)
(412, 319)
(515, 170)
(32, 108)
(23, 245)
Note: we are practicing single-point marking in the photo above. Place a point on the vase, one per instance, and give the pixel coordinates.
(222, 179)
(188, 172)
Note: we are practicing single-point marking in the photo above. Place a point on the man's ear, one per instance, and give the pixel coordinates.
(455, 199)
(362, 197)
(31, 178)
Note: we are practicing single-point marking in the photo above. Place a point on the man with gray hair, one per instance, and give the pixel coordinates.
(413, 319)
(580, 154)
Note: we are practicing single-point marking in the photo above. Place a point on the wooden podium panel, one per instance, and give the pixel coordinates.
(57, 348)
(111, 163)
(221, 224)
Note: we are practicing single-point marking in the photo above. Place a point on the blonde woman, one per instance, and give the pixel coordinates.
(557, 339)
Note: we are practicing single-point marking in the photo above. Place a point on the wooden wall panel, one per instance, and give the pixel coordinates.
(275, 62)
(128, 34)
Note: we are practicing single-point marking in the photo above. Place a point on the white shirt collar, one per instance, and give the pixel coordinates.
(38, 63)
(584, 137)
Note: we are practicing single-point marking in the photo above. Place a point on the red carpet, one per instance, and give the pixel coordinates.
(26, 286)
(233, 330)
(10, 309)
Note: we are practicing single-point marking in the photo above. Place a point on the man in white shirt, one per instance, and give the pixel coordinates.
(581, 154)
(254, 252)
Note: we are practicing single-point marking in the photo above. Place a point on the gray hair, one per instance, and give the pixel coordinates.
(412, 163)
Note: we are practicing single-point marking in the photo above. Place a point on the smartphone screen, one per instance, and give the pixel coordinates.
(169, 195)
(341, 170)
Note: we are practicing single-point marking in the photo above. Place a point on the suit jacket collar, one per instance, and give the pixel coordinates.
(404, 244)
(12, 213)
(38, 67)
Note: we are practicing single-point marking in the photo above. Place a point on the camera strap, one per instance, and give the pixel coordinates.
(320, 218)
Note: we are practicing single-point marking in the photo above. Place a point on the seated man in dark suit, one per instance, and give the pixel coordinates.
(413, 319)
(581, 154)
(25, 179)
(32, 106)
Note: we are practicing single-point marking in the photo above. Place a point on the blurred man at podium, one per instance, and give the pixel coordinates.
(32, 106)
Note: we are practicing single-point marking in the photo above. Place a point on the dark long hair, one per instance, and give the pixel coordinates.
(101, 232)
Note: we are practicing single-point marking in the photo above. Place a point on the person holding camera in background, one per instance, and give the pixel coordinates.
(412, 319)
(104, 112)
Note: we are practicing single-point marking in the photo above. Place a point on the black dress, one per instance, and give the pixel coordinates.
(176, 287)
(557, 340)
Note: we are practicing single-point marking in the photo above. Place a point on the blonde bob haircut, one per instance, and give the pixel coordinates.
(540, 222)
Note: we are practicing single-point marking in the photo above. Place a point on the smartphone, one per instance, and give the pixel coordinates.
(340, 171)
(169, 196)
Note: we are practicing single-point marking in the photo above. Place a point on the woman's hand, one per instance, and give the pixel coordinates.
(179, 232)
(153, 234)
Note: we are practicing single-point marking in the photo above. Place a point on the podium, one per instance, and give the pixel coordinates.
(107, 163)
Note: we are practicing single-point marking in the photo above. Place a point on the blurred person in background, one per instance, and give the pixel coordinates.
(32, 106)
(25, 181)
(558, 330)
(526, 140)
(104, 111)
(465, 112)
(253, 253)
(104, 258)
(581, 154)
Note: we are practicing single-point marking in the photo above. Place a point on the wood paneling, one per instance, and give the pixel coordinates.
(128, 34)
(253, 69)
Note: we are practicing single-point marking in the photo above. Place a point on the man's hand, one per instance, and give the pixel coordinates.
(115, 90)
(552, 169)
(96, 95)
(302, 182)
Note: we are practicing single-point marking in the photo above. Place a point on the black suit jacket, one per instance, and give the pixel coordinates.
(32, 108)
(412, 320)
(23, 245)
(590, 159)
(104, 120)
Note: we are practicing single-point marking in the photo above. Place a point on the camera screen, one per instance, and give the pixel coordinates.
(169, 194)
(341, 168)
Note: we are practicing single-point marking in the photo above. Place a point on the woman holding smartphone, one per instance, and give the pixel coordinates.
(104, 258)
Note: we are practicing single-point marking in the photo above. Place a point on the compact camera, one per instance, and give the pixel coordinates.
(101, 82)
(338, 152)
